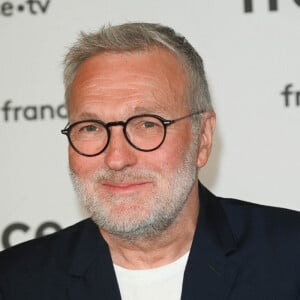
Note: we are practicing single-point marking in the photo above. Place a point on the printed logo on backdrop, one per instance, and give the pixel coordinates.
(32, 7)
(11, 112)
(21, 228)
(272, 5)
(291, 95)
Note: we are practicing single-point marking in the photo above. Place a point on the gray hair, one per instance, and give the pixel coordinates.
(141, 36)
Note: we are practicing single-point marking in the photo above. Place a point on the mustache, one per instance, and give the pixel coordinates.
(124, 175)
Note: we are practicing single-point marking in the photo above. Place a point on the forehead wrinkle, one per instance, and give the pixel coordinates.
(118, 91)
(103, 82)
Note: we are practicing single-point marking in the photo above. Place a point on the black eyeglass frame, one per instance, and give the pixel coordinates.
(66, 131)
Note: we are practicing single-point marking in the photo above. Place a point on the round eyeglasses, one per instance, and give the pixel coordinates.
(144, 132)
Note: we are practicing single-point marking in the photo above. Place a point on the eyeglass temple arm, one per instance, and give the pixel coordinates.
(184, 117)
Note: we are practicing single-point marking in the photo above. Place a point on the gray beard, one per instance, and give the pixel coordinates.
(167, 203)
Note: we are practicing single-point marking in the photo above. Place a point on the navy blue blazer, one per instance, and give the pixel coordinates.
(240, 251)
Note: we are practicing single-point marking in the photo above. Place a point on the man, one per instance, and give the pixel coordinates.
(140, 127)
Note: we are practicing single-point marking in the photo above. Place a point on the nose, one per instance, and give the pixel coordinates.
(119, 154)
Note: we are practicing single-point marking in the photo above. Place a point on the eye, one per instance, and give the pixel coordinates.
(145, 122)
(148, 124)
(89, 128)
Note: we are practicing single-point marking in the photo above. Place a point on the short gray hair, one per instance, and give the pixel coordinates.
(141, 36)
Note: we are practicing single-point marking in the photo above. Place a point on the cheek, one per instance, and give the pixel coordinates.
(168, 158)
(175, 148)
(82, 165)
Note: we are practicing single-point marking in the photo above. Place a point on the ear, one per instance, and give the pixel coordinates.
(207, 123)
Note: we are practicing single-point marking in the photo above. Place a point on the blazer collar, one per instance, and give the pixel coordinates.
(210, 272)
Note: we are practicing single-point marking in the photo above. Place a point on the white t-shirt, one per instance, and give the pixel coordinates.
(152, 284)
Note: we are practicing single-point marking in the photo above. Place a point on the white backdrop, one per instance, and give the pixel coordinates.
(252, 62)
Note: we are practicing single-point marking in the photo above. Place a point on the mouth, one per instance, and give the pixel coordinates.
(124, 186)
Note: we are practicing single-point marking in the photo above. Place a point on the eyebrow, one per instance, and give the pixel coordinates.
(88, 115)
(149, 110)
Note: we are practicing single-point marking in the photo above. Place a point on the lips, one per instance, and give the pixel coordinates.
(123, 186)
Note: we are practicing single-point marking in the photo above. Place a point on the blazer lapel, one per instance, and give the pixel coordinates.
(210, 272)
(91, 274)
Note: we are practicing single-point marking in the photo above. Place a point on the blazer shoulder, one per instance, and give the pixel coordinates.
(38, 252)
(250, 211)
(264, 223)
(245, 216)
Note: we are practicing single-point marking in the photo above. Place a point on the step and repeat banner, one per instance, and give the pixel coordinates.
(251, 53)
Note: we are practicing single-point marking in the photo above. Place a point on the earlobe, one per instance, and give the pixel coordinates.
(208, 123)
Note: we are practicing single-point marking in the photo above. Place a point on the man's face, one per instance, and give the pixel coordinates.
(128, 192)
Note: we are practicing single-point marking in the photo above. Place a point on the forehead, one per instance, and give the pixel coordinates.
(153, 78)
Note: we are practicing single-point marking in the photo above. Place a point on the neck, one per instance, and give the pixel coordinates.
(163, 249)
